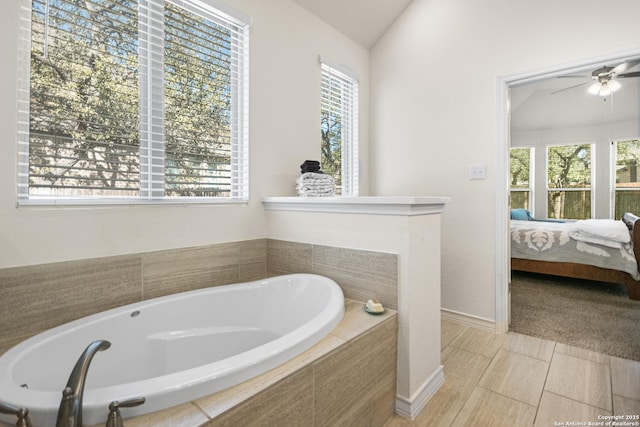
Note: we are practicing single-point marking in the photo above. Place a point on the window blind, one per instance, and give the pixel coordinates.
(339, 127)
(136, 99)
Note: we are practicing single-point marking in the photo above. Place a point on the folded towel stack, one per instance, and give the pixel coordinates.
(314, 184)
(310, 166)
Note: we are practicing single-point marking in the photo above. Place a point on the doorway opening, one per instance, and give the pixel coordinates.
(505, 84)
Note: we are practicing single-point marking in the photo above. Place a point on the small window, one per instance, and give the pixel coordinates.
(132, 100)
(521, 177)
(339, 128)
(569, 178)
(626, 186)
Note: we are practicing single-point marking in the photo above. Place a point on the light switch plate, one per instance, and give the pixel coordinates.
(477, 171)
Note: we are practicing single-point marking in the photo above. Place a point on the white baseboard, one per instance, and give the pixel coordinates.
(410, 408)
(468, 319)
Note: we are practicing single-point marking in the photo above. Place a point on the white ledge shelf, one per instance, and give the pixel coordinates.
(371, 205)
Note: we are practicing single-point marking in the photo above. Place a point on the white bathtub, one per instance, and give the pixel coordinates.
(172, 349)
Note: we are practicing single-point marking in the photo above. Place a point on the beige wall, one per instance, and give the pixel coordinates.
(285, 42)
(434, 110)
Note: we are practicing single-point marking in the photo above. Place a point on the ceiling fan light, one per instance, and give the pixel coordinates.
(605, 90)
(594, 89)
(614, 85)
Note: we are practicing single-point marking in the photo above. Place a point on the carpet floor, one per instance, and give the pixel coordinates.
(591, 315)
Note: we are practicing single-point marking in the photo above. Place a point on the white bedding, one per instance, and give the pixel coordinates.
(550, 241)
(605, 232)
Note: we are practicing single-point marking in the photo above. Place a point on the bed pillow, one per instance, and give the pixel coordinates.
(629, 219)
(521, 214)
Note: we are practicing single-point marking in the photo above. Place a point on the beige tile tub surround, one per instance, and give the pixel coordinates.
(40, 297)
(37, 298)
(361, 274)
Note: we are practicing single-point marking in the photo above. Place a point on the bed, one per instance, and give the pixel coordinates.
(582, 250)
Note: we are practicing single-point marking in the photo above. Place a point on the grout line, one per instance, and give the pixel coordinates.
(508, 397)
(611, 385)
(578, 401)
(546, 377)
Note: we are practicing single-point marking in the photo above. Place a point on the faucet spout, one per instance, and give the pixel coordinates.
(70, 411)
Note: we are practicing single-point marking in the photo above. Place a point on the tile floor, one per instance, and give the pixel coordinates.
(516, 380)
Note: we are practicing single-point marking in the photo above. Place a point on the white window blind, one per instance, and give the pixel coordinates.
(141, 100)
(339, 127)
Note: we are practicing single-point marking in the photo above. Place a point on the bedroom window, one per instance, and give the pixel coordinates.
(569, 178)
(339, 127)
(132, 101)
(626, 185)
(521, 177)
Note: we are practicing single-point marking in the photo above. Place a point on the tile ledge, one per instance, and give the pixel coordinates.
(369, 205)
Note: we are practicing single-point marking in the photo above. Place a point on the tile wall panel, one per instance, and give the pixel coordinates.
(172, 271)
(363, 370)
(252, 260)
(37, 298)
(286, 403)
(288, 257)
(361, 274)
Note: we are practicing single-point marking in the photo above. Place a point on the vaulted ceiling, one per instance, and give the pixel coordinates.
(535, 106)
(363, 21)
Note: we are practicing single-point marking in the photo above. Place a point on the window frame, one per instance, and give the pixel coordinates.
(591, 189)
(613, 168)
(531, 187)
(239, 24)
(350, 158)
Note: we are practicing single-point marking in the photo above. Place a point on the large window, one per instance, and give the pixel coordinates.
(569, 178)
(132, 99)
(339, 128)
(521, 177)
(626, 186)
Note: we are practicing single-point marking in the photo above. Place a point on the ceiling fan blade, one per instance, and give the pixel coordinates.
(570, 87)
(627, 75)
(573, 77)
(602, 72)
(625, 66)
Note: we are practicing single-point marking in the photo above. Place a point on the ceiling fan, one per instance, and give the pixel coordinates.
(604, 80)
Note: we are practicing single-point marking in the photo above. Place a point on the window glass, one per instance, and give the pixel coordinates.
(569, 181)
(627, 185)
(520, 178)
(134, 99)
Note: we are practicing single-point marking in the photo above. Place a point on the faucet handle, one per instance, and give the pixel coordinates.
(115, 418)
(22, 413)
(129, 403)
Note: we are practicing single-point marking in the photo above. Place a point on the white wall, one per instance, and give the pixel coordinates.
(600, 135)
(434, 110)
(285, 43)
